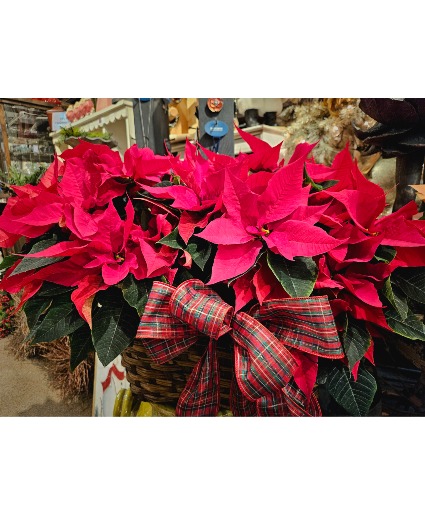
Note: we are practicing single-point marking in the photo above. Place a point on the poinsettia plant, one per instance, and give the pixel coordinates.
(101, 230)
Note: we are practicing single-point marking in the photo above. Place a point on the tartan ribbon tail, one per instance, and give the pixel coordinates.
(262, 363)
(240, 405)
(298, 404)
(201, 395)
(273, 405)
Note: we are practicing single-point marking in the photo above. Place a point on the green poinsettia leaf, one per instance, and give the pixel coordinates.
(410, 327)
(316, 186)
(385, 253)
(136, 292)
(355, 340)
(52, 290)
(354, 396)
(164, 184)
(29, 263)
(115, 324)
(327, 184)
(61, 319)
(81, 344)
(200, 250)
(181, 276)
(412, 282)
(34, 308)
(173, 240)
(8, 261)
(397, 301)
(297, 277)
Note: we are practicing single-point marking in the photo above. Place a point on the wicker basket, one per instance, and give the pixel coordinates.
(162, 384)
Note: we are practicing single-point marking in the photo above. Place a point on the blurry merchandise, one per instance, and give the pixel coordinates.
(80, 109)
(29, 143)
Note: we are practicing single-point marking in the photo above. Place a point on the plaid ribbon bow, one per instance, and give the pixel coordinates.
(263, 384)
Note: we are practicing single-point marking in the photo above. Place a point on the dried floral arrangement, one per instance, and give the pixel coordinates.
(328, 121)
(292, 261)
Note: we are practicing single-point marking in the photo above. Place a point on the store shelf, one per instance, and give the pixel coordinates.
(117, 119)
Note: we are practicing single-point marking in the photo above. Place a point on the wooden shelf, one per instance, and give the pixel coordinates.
(117, 119)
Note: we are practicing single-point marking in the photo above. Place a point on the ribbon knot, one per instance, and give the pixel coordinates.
(201, 308)
(264, 384)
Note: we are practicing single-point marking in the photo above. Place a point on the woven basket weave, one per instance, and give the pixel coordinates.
(162, 384)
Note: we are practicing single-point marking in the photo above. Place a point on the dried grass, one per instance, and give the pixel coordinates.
(21, 348)
(71, 384)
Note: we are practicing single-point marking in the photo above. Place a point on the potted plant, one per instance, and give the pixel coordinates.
(288, 265)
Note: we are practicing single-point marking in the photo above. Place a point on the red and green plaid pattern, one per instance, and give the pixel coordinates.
(174, 318)
(273, 405)
(239, 404)
(262, 363)
(298, 404)
(201, 308)
(201, 395)
(307, 324)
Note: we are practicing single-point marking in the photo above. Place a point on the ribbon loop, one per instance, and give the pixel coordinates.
(201, 308)
(306, 324)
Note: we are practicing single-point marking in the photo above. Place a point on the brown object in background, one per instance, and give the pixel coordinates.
(420, 190)
(182, 116)
(4, 135)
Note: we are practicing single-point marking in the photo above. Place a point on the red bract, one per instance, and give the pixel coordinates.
(264, 157)
(201, 183)
(144, 167)
(90, 177)
(117, 249)
(34, 210)
(361, 199)
(272, 217)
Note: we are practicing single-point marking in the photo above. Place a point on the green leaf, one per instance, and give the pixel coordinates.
(182, 275)
(354, 396)
(52, 290)
(412, 282)
(397, 301)
(164, 184)
(314, 185)
(8, 261)
(200, 250)
(173, 240)
(326, 184)
(114, 324)
(297, 277)
(29, 263)
(385, 253)
(136, 292)
(355, 340)
(411, 327)
(61, 319)
(34, 308)
(81, 344)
